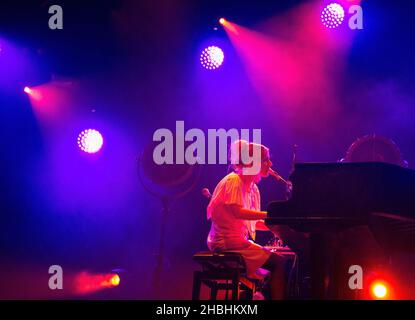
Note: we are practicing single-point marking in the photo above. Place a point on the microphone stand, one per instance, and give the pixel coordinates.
(166, 201)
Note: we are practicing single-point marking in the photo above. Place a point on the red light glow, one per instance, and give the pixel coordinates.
(379, 290)
(86, 283)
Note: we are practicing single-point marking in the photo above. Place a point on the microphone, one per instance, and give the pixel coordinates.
(276, 175)
(288, 184)
(206, 193)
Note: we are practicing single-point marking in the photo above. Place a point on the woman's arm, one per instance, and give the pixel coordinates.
(246, 214)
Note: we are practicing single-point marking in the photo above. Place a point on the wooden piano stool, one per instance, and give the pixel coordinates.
(222, 271)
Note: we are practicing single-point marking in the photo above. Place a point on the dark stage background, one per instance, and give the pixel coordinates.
(131, 67)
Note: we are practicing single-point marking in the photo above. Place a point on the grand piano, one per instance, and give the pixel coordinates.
(327, 198)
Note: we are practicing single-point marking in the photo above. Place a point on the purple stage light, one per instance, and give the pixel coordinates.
(332, 15)
(212, 57)
(90, 141)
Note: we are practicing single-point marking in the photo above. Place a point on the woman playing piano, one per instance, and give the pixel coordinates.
(235, 213)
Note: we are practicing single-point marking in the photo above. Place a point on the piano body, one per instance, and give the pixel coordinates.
(330, 197)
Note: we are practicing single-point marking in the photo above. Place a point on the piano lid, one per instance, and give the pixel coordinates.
(348, 189)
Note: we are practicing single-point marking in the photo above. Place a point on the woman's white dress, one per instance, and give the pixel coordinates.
(228, 233)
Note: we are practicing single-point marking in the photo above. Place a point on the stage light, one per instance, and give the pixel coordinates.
(222, 21)
(332, 15)
(109, 280)
(86, 282)
(90, 141)
(379, 290)
(115, 280)
(33, 93)
(212, 57)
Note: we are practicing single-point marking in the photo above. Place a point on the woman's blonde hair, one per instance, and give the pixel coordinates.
(241, 149)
